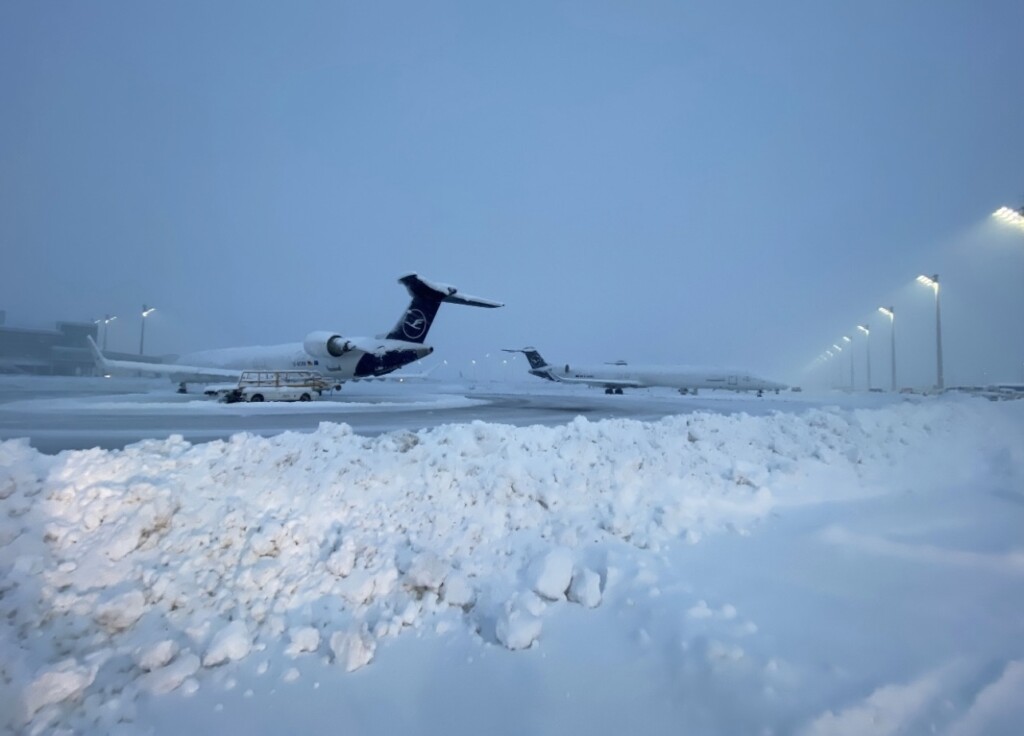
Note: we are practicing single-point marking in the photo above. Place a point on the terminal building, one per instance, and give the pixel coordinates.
(62, 351)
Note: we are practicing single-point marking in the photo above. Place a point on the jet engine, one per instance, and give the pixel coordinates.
(326, 345)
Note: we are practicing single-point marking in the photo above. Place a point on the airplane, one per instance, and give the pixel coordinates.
(614, 377)
(336, 357)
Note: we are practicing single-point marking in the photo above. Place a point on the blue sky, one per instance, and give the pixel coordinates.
(730, 183)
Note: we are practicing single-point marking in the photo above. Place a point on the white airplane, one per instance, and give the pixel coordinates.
(614, 377)
(337, 358)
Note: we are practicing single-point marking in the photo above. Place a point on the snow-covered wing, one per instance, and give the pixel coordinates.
(174, 371)
(603, 382)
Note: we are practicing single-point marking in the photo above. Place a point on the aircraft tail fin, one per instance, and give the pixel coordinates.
(427, 298)
(532, 354)
(538, 366)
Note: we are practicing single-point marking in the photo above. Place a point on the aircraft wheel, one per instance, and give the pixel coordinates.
(256, 398)
(607, 390)
(304, 397)
(618, 391)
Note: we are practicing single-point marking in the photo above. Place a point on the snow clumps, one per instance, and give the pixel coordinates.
(168, 560)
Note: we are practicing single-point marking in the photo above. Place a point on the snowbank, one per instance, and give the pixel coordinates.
(146, 569)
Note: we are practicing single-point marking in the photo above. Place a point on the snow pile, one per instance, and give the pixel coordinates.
(144, 570)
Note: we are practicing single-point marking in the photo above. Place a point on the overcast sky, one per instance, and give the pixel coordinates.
(733, 183)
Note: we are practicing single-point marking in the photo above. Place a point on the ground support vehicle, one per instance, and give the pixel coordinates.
(256, 386)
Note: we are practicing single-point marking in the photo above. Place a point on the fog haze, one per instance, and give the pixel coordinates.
(736, 184)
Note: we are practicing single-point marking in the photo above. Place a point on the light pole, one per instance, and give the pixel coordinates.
(839, 366)
(867, 351)
(146, 311)
(1012, 217)
(107, 319)
(890, 312)
(933, 282)
(849, 343)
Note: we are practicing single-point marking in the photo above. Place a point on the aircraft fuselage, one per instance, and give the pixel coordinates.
(389, 355)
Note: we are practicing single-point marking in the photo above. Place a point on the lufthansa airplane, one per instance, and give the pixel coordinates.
(613, 377)
(336, 357)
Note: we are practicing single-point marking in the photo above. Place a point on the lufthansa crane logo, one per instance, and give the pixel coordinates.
(414, 324)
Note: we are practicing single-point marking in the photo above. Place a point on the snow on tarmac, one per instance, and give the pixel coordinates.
(152, 570)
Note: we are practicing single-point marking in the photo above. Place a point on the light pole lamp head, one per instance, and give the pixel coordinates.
(1010, 216)
(146, 311)
(846, 339)
(932, 281)
(889, 312)
(837, 348)
(864, 329)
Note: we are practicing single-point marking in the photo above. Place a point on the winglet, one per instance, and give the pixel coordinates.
(97, 356)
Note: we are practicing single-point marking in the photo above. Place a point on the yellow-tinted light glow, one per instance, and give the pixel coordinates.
(864, 329)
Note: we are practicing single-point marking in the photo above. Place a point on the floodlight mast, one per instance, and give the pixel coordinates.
(850, 342)
(107, 319)
(933, 282)
(839, 366)
(867, 350)
(890, 312)
(146, 311)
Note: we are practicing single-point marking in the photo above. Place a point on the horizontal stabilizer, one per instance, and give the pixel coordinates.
(420, 287)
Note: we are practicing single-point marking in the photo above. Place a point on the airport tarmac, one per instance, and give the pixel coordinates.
(58, 414)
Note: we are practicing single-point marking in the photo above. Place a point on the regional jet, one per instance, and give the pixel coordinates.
(336, 357)
(613, 377)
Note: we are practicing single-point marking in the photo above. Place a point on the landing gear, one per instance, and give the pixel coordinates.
(182, 388)
(613, 391)
(760, 393)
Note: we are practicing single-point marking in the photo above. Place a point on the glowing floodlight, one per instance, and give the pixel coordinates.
(1011, 217)
(887, 312)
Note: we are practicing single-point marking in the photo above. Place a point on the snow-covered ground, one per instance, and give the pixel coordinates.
(829, 570)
